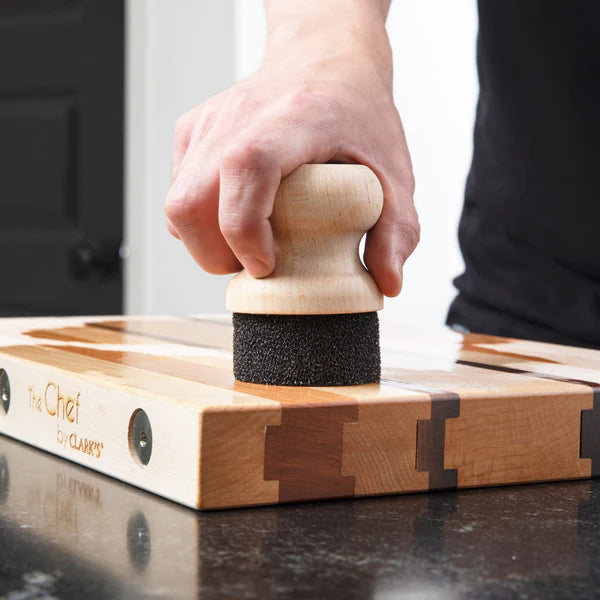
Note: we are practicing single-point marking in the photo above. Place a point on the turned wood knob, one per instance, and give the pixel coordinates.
(320, 214)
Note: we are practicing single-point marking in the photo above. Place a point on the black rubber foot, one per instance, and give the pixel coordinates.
(306, 350)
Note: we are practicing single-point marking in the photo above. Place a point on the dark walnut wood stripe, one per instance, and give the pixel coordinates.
(304, 453)
(590, 434)
(431, 434)
(590, 418)
(431, 441)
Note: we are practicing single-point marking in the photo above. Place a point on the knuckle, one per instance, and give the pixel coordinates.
(250, 156)
(311, 97)
(315, 107)
(240, 100)
(409, 184)
(236, 225)
(302, 97)
(411, 231)
(180, 206)
(183, 126)
(401, 175)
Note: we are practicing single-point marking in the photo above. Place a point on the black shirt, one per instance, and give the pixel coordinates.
(530, 228)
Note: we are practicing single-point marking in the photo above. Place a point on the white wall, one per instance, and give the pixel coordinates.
(436, 91)
(187, 54)
(179, 53)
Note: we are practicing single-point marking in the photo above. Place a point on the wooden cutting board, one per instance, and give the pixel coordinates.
(152, 402)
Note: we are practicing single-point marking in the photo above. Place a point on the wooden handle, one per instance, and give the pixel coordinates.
(320, 214)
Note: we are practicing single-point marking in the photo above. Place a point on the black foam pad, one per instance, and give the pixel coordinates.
(306, 350)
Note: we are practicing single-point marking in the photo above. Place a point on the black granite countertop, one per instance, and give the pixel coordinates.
(67, 532)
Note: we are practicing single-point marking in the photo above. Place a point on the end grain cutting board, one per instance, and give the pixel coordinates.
(152, 402)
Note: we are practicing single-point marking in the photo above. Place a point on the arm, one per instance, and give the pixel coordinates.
(323, 93)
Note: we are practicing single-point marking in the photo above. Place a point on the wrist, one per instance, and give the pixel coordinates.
(309, 33)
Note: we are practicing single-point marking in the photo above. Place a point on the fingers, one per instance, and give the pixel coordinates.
(393, 239)
(249, 178)
(172, 229)
(250, 173)
(227, 168)
(251, 170)
(192, 211)
(221, 201)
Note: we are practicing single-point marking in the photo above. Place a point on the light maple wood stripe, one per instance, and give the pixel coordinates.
(518, 439)
(232, 458)
(380, 449)
(589, 443)
(469, 380)
(190, 332)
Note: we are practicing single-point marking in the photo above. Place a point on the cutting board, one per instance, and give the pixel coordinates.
(152, 402)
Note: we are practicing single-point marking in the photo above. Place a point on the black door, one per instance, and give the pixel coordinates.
(61, 156)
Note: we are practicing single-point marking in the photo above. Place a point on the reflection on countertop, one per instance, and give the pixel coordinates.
(67, 532)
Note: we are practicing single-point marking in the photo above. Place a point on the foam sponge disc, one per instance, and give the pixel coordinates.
(307, 350)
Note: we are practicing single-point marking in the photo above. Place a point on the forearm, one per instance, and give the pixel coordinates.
(309, 31)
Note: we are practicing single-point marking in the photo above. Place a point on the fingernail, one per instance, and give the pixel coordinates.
(256, 267)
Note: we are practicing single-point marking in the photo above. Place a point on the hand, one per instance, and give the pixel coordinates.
(319, 96)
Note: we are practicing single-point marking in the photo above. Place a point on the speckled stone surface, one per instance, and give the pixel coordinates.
(66, 532)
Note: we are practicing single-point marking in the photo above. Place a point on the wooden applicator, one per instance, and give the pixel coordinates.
(313, 321)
